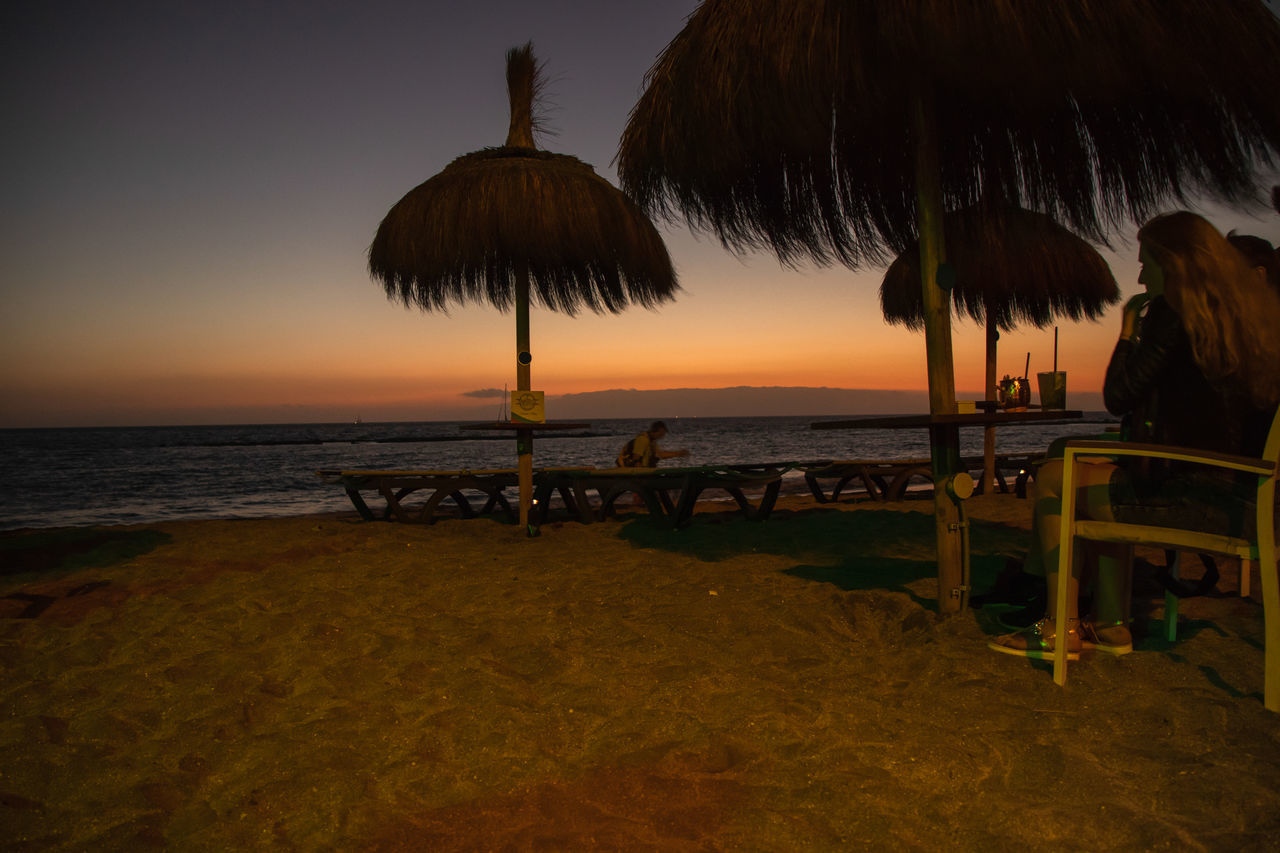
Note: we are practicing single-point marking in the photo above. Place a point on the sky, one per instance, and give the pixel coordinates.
(190, 189)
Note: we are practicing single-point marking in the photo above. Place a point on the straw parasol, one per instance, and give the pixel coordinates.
(840, 131)
(1012, 266)
(514, 225)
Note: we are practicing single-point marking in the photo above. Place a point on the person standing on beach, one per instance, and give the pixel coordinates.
(643, 451)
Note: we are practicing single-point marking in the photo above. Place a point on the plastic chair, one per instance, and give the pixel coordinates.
(1262, 547)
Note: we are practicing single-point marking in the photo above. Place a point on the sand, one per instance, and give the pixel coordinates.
(329, 684)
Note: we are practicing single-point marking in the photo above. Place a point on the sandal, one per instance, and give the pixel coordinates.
(1037, 642)
(1111, 639)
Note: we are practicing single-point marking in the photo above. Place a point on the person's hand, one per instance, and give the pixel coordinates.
(1132, 312)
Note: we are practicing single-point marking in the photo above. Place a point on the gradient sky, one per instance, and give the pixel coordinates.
(189, 191)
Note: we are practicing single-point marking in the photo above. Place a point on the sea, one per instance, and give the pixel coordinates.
(136, 475)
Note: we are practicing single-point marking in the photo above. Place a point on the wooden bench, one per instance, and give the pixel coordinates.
(395, 486)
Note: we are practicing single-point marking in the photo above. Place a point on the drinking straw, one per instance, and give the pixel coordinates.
(1055, 349)
(1026, 371)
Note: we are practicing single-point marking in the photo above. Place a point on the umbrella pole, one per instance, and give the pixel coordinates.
(524, 437)
(989, 432)
(944, 439)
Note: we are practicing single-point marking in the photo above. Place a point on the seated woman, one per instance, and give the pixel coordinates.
(1201, 368)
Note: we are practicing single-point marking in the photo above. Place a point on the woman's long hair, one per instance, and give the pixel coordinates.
(1231, 317)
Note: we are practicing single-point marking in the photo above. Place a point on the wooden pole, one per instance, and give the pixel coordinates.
(944, 440)
(989, 432)
(524, 437)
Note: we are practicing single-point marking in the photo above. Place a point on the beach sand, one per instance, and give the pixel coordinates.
(330, 684)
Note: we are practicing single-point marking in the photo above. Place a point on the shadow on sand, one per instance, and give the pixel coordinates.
(866, 549)
(43, 553)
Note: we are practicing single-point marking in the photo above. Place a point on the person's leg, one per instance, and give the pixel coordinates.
(1045, 513)
(1107, 628)
(1112, 590)
(1022, 580)
(1093, 500)
(1109, 564)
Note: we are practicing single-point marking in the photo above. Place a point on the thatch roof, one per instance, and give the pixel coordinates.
(789, 125)
(498, 214)
(465, 234)
(1011, 265)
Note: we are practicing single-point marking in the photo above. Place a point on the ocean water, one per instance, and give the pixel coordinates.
(128, 475)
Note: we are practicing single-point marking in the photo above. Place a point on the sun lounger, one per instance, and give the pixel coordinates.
(672, 493)
(889, 479)
(1006, 463)
(396, 486)
(872, 475)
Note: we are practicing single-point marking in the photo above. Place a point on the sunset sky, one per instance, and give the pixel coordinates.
(189, 191)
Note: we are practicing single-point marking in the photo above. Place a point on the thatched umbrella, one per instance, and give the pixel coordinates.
(513, 224)
(840, 131)
(1012, 266)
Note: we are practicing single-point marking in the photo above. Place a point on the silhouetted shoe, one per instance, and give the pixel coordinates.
(1112, 639)
(1019, 618)
(1014, 587)
(1038, 641)
(1207, 584)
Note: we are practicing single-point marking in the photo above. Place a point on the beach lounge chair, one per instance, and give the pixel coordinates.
(670, 494)
(396, 486)
(890, 479)
(868, 473)
(1261, 546)
(922, 469)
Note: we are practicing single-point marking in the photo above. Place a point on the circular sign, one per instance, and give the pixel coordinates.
(524, 357)
(961, 486)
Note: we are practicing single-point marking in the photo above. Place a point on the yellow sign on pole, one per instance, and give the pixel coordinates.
(528, 407)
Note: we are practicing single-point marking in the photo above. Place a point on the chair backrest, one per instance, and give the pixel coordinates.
(1266, 504)
(1271, 450)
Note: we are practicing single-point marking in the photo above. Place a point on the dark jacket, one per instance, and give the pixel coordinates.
(1156, 382)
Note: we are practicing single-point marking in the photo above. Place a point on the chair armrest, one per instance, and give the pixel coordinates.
(1248, 464)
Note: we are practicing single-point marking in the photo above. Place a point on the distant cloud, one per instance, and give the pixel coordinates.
(485, 393)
